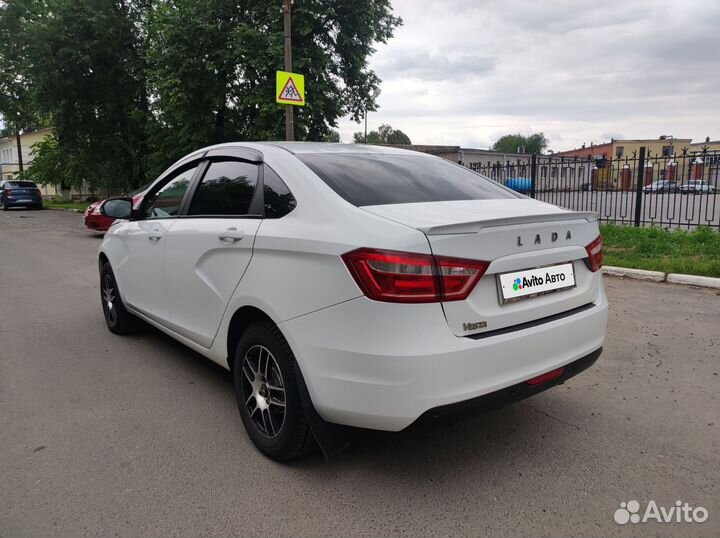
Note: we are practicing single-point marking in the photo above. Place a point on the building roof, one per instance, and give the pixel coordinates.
(12, 138)
(705, 143)
(667, 139)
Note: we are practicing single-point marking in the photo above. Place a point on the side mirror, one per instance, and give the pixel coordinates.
(117, 208)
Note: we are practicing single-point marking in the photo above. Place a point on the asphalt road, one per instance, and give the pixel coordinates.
(102, 435)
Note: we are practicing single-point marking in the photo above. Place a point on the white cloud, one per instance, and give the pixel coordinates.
(466, 72)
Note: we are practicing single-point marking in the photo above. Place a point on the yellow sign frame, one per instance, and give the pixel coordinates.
(289, 88)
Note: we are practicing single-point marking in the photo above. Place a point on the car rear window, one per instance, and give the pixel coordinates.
(400, 179)
(21, 184)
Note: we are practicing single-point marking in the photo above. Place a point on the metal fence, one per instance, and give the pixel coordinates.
(641, 189)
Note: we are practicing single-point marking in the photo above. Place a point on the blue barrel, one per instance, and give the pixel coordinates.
(519, 184)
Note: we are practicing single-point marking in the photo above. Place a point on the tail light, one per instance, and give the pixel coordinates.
(458, 277)
(595, 257)
(404, 277)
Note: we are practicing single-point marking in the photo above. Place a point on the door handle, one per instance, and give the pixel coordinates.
(231, 235)
(154, 236)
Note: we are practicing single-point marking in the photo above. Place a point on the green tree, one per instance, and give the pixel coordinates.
(212, 67)
(513, 143)
(88, 74)
(131, 85)
(16, 104)
(48, 166)
(332, 136)
(384, 135)
(82, 67)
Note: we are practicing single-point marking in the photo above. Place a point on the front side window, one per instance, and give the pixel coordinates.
(226, 189)
(165, 203)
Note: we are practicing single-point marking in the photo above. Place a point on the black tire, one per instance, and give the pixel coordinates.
(281, 432)
(5, 206)
(118, 319)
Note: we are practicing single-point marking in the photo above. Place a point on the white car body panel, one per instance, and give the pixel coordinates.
(516, 235)
(470, 216)
(366, 363)
(205, 272)
(146, 239)
(375, 367)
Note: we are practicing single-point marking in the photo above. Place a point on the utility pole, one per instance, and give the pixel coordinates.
(19, 149)
(374, 93)
(366, 124)
(289, 127)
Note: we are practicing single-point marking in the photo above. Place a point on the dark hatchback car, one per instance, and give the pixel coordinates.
(15, 193)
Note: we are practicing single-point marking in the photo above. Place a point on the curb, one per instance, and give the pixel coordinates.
(658, 276)
(639, 274)
(694, 280)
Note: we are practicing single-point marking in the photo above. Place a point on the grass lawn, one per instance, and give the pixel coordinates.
(677, 251)
(66, 205)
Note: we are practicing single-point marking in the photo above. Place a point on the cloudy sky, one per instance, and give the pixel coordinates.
(465, 72)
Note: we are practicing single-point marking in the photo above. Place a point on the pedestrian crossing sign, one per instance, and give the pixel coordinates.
(289, 88)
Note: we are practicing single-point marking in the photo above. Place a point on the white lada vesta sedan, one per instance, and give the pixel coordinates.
(355, 285)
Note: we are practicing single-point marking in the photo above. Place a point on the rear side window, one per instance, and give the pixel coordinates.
(279, 201)
(400, 179)
(226, 189)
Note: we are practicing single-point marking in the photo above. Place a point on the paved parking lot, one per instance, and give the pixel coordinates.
(102, 435)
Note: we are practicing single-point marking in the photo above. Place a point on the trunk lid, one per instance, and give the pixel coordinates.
(514, 235)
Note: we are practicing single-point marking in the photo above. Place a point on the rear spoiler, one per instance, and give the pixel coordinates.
(475, 226)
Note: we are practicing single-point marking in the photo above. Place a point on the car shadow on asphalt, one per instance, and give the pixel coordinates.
(424, 448)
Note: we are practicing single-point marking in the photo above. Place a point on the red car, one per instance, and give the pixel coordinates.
(97, 222)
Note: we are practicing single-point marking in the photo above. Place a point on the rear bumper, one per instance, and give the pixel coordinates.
(382, 366)
(514, 393)
(30, 203)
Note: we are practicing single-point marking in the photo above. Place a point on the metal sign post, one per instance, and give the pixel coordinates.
(289, 127)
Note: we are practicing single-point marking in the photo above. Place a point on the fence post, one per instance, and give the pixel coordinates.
(639, 189)
(533, 174)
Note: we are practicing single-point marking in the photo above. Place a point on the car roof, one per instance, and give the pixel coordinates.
(331, 147)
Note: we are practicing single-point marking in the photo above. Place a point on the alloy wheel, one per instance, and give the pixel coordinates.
(109, 296)
(264, 389)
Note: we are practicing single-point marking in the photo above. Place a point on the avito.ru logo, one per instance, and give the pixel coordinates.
(680, 513)
(550, 278)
